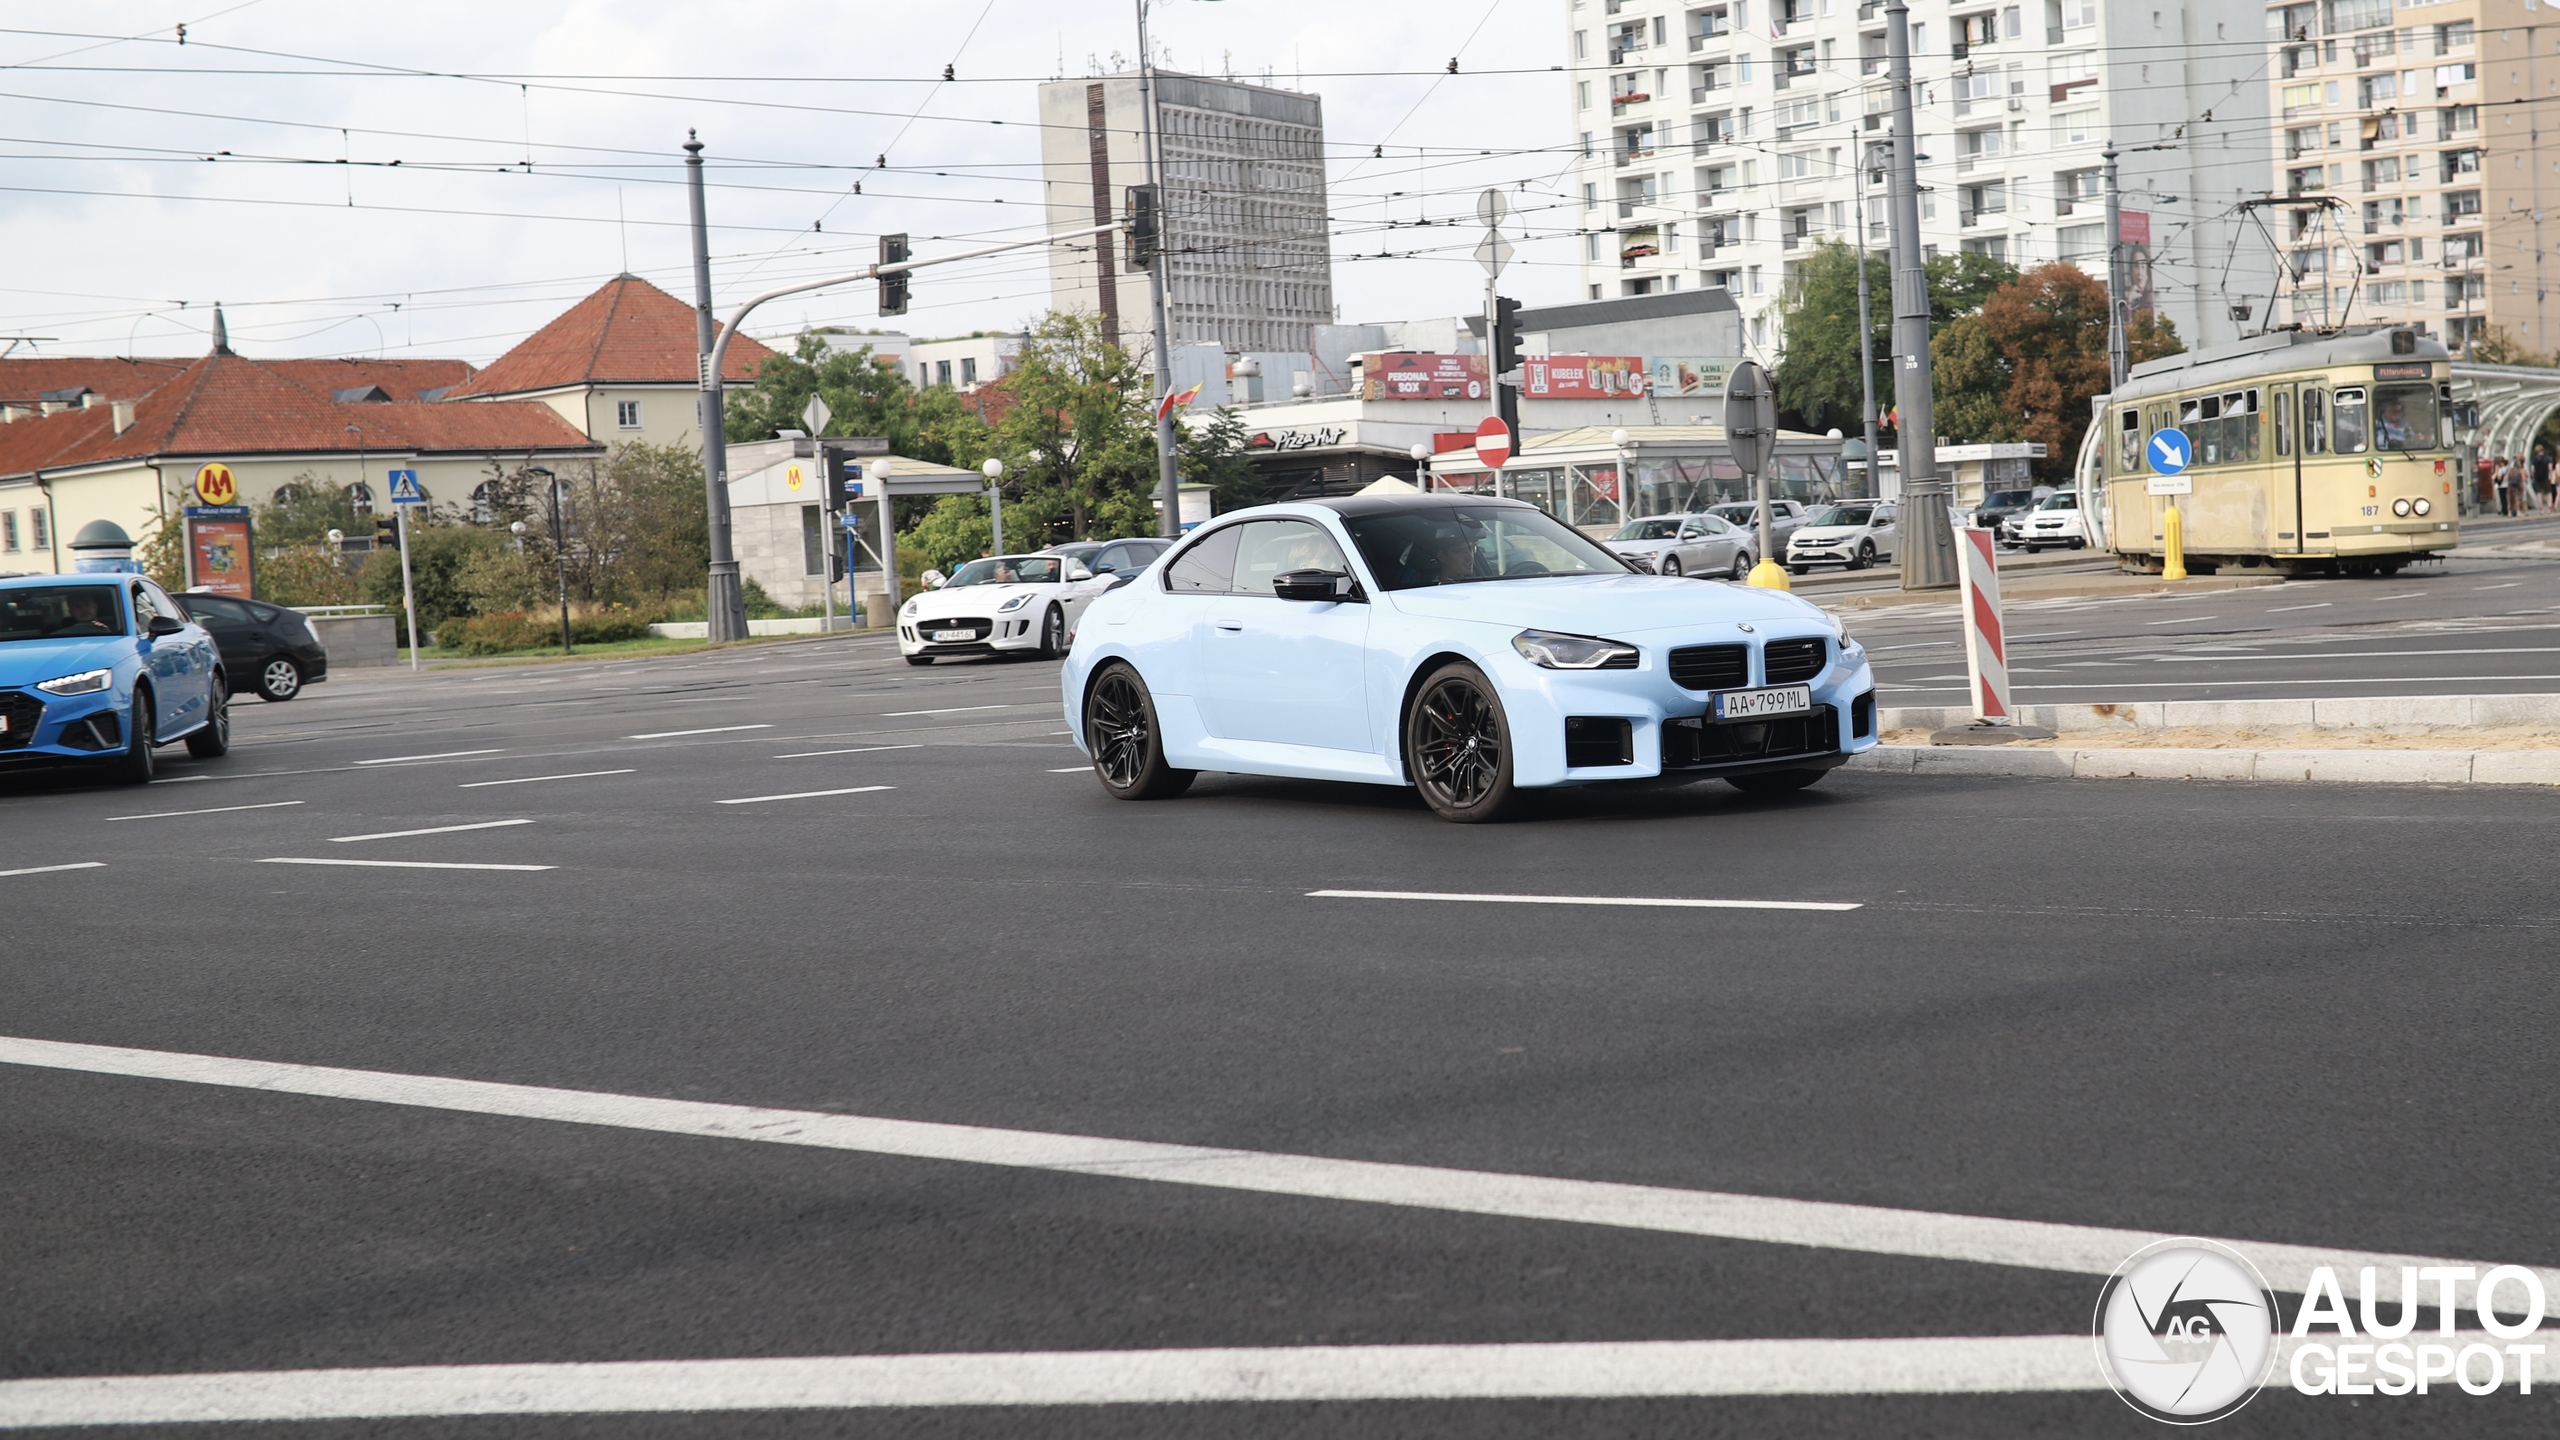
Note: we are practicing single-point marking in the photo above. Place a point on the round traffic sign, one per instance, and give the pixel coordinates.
(1493, 442)
(2169, 451)
(215, 485)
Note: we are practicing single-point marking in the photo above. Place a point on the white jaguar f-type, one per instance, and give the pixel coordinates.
(1004, 604)
(1471, 648)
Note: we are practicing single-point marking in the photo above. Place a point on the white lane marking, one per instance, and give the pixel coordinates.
(2410, 595)
(216, 810)
(954, 710)
(1962, 1365)
(856, 750)
(530, 779)
(2510, 585)
(805, 795)
(430, 830)
(440, 755)
(1818, 1224)
(181, 779)
(1638, 900)
(2356, 654)
(1072, 770)
(2183, 620)
(2322, 605)
(49, 869)
(2040, 687)
(399, 864)
(711, 730)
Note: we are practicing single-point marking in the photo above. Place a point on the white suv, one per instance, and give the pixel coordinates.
(1852, 533)
(2056, 520)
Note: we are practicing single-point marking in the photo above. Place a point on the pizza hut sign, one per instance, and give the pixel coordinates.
(1314, 437)
(1404, 375)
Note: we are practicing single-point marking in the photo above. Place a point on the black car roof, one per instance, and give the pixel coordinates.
(1349, 506)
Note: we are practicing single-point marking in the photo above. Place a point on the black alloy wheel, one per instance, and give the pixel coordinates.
(1866, 556)
(212, 740)
(1053, 634)
(137, 764)
(1741, 566)
(1128, 747)
(1774, 782)
(1671, 566)
(1458, 746)
(280, 678)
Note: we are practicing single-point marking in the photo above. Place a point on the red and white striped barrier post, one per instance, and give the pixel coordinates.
(1986, 648)
(1986, 645)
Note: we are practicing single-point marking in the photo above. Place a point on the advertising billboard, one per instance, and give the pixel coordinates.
(1582, 377)
(1692, 374)
(218, 556)
(1405, 375)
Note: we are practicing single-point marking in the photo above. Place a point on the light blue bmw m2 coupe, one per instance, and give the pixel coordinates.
(1472, 648)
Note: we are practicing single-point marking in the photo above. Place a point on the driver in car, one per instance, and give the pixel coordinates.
(2394, 429)
(1457, 555)
(83, 615)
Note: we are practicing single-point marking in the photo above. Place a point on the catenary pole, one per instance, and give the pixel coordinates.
(1168, 474)
(2119, 324)
(1866, 325)
(1928, 541)
(724, 604)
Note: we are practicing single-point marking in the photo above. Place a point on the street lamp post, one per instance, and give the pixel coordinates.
(1929, 544)
(1618, 441)
(1168, 474)
(559, 548)
(1867, 166)
(993, 469)
(1421, 454)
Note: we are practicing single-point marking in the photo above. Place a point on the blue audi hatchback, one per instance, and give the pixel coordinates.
(102, 668)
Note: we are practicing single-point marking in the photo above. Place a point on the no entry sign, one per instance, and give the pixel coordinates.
(1493, 442)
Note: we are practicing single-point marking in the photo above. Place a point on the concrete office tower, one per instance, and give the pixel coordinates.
(1719, 139)
(2409, 117)
(1250, 263)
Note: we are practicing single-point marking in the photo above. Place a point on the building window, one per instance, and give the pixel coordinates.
(813, 541)
(626, 414)
(9, 531)
(37, 533)
(2082, 242)
(968, 370)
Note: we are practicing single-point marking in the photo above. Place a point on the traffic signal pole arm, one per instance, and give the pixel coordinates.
(716, 361)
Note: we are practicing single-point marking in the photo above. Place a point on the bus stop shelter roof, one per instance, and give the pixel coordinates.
(2515, 402)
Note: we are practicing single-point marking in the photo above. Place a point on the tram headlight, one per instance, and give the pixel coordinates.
(2400, 508)
(2420, 505)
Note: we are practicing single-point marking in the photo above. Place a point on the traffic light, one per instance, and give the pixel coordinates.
(1506, 334)
(1145, 232)
(893, 287)
(836, 462)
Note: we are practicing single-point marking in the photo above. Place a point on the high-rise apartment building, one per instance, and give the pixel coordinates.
(2406, 121)
(1720, 139)
(1248, 255)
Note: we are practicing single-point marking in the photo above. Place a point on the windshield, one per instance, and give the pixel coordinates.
(2404, 417)
(2011, 498)
(2060, 502)
(1842, 515)
(59, 612)
(1010, 570)
(1661, 527)
(1740, 514)
(1408, 549)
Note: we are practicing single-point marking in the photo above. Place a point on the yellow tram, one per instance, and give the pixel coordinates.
(2311, 453)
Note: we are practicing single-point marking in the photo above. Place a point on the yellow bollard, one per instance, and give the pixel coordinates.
(2173, 561)
(1769, 575)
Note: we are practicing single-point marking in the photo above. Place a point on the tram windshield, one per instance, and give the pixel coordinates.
(2404, 417)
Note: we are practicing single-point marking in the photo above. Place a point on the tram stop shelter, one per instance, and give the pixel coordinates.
(1574, 474)
(2511, 404)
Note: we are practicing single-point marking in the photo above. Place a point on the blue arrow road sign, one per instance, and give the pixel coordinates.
(2169, 451)
(404, 488)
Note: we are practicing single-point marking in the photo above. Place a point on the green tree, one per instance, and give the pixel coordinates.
(1213, 454)
(162, 552)
(865, 396)
(1076, 435)
(440, 551)
(956, 530)
(2026, 364)
(304, 510)
(1971, 384)
(1818, 373)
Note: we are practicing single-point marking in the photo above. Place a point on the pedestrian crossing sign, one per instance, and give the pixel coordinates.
(404, 488)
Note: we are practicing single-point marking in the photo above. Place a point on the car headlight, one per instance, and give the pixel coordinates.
(85, 683)
(2400, 507)
(910, 611)
(1016, 603)
(1549, 650)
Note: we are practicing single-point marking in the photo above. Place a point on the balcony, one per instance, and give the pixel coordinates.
(1624, 158)
(1632, 97)
(1700, 94)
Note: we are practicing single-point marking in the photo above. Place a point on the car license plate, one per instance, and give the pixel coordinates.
(940, 635)
(1753, 704)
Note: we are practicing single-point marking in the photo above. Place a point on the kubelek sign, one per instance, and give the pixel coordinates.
(1403, 375)
(1582, 377)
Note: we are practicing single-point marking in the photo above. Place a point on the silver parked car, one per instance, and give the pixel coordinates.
(1704, 545)
(1784, 517)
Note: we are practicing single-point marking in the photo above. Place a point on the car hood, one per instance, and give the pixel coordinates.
(25, 662)
(1612, 606)
(974, 600)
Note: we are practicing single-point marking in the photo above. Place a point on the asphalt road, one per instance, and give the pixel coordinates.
(2281, 1015)
(2472, 623)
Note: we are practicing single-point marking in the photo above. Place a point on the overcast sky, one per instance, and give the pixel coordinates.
(123, 232)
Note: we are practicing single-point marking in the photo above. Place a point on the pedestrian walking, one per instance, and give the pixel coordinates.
(2502, 475)
(2542, 477)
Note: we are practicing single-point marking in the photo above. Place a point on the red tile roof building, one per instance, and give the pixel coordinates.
(623, 364)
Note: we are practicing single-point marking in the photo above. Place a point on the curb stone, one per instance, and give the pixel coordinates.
(2331, 767)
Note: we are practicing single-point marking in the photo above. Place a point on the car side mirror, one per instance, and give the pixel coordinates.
(932, 579)
(1106, 569)
(1312, 585)
(1077, 571)
(162, 625)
